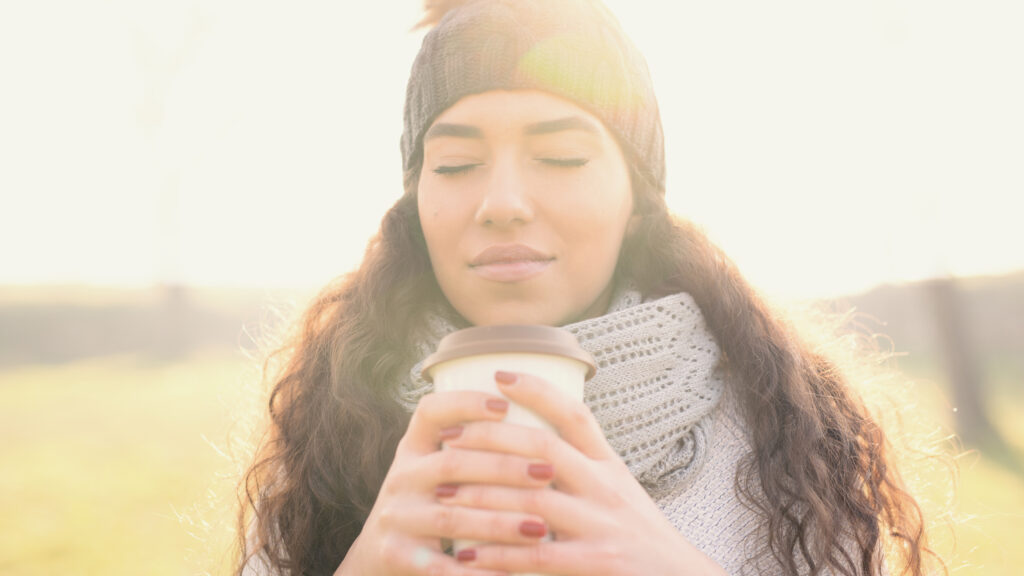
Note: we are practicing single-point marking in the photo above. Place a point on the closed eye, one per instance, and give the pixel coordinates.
(565, 162)
(455, 169)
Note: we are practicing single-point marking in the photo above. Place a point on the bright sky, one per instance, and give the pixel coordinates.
(827, 146)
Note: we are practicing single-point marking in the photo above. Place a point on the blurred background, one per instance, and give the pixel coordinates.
(179, 177)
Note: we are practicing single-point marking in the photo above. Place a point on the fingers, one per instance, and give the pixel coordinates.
(572, 419)
(573, 471)
(460, 466)
(442, 410)
(566, 515)
(461, 523)
(412, 556)
(564, 558)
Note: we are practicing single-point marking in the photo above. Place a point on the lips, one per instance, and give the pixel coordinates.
(510, 263)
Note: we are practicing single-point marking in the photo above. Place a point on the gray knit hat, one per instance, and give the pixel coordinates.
(571, 48)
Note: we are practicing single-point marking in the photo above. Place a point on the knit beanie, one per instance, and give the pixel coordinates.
(574, 49)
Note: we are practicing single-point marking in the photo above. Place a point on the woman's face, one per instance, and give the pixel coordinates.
(524, 199)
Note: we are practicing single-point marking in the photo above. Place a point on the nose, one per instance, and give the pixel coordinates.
(506, 200)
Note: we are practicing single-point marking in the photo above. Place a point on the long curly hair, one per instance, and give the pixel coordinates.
(820, 472)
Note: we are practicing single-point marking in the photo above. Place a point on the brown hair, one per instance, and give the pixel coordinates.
(819, 472)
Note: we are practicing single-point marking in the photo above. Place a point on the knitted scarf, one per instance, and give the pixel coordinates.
(655, 385)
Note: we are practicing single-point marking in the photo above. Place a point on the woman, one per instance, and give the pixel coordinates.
(712, 440)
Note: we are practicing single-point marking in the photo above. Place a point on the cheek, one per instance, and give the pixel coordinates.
(594, 238)
(431, 214)
(442, 233)
(600, 230)
(438, 244)
(441, 205)
(430, 225)
(600, 212)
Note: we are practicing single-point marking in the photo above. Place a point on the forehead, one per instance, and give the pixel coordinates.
(517, 111)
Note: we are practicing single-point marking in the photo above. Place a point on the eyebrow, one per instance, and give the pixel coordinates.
(453, 130)
(560, 125)
(547, 127)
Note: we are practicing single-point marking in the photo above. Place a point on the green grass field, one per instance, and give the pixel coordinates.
(108, 466)
(116, 466)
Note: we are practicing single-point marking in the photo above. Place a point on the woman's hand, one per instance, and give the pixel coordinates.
(403, 532)
(604, 521)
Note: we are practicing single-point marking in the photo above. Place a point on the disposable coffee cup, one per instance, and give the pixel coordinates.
(467, 360)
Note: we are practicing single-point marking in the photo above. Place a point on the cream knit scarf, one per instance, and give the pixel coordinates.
(655, 385)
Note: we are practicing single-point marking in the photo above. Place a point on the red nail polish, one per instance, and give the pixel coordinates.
(497, 405)
(541, 471)
(467, 555)
(451, 433)
(505, 378)
(446, 490)
(532, 529)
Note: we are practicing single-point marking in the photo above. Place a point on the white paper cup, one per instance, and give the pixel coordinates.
(467, 360)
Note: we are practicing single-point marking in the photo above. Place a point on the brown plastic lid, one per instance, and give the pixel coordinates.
(508, 338)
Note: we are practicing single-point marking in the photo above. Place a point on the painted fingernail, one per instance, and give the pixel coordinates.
(467, 555)
(451, 433)
(532, 529)
(446, 490)
(497, 405)
(505, 378)
(541, 471)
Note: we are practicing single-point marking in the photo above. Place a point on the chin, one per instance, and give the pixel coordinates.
(517, 313)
